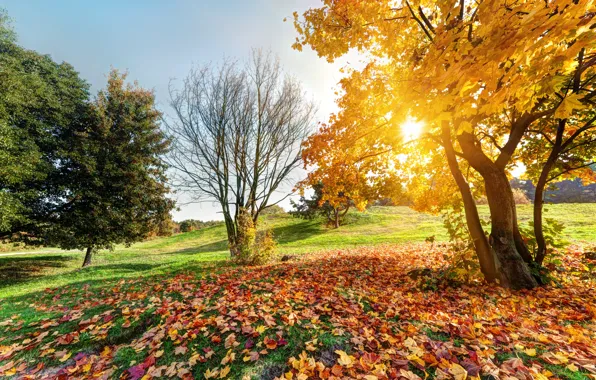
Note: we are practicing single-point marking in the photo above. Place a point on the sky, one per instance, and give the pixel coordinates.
(158, 41)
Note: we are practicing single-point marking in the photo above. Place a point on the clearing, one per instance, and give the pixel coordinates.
(174, 307)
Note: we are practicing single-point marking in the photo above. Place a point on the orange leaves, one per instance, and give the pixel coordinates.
(350, 314)
(271, 344)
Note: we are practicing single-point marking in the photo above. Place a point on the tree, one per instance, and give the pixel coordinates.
(346, 172)
(237, 135)
(317, 206)
(117, 184)
(40, 102)
(479, 74)
(561, 147)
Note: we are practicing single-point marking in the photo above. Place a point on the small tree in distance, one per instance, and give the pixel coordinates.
(317, 206)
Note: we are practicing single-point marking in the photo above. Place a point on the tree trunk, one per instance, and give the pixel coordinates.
(514, 271)
(538, 208)
(482, 248)
(540, 187)
(520, 244)
(336, 221)
(88, 255)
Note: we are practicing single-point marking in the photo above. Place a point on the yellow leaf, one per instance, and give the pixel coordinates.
(65, 357)
(158, 353)
(572, 367)
(458, 372)
(224, 372)
(530, 351)
(345, 359)
(567, 106)
(211, 374)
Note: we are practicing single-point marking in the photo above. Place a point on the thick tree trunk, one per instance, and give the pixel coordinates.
(520, 244)
(505, 239)
(514, 271)
(88, 255)
(482, 248)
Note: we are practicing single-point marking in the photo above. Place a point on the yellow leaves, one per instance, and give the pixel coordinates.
(568, 105)
(65, 357)
(230, 357)
(465, 126)
(458, 372)
(211, 374)
(224, 372)
(345, 360)
(572, 367)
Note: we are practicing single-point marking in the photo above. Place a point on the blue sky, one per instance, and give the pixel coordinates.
(159, 40)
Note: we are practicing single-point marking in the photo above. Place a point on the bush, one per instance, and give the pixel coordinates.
(273, 210)
(252, 247)
(519, 196)
(189, 225)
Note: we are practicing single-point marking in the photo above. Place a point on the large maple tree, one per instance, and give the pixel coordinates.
(479, 74)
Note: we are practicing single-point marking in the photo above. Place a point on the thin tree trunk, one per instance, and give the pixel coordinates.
(88, 255)
(482, 248)
(514, 271)
(541, 186)
(538, 207)
(336, 218)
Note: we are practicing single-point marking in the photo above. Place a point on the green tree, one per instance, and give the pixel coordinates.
(117, 191)
(40, 100)
(317, 206)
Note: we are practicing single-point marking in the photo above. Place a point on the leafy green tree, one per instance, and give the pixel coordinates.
(317, 206)
(117, 191)
(40, 101)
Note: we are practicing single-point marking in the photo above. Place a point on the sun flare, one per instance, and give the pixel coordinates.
(412, 129)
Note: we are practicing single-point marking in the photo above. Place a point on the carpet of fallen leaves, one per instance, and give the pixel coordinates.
(334, 315)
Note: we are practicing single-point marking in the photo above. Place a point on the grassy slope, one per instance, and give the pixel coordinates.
(121, 278)
(25, 273)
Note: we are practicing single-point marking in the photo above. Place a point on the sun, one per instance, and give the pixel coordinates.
(412, 129)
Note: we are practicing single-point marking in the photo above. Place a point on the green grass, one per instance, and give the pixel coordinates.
(206, 250)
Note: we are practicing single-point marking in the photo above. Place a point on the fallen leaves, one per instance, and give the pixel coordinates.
(348, 314)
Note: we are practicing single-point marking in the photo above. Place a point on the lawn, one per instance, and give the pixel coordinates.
(22, 274)
(344, 307)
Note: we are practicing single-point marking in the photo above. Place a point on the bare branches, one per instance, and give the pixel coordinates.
(237, 133)
(419, 22)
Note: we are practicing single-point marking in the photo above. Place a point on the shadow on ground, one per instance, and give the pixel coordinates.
(295, 232)
(14, 270)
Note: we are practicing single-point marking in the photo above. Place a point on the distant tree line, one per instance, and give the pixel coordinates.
(567, 191)
(193, 225)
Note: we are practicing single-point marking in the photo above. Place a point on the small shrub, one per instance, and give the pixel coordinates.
(519, 197)
(273, 210)
(252, 247)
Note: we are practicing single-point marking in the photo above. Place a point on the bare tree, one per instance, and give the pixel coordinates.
(237, 135)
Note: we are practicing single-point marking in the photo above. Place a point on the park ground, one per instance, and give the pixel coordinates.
(344, 307)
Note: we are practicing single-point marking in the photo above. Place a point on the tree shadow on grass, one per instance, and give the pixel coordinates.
(295, 232)
(14, 270)
(124, 267)
(218, 246)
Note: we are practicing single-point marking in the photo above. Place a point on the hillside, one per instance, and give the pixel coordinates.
(22, 273)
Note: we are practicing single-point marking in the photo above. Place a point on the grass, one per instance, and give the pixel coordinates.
(175, 272)
(23, 273)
